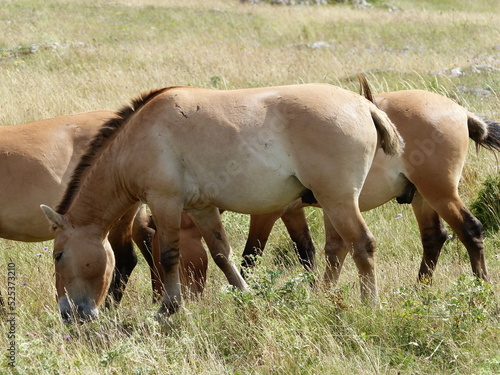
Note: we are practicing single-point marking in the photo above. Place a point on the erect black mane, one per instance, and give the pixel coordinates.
(106, 134)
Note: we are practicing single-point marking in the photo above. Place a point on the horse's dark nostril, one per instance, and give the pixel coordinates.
(78, 314)
(65, 316)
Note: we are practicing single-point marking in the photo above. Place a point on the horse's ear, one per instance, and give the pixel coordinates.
(54, 218)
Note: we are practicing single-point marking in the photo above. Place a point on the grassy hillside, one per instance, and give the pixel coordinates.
(61, 57)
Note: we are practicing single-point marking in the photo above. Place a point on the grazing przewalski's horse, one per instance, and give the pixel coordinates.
(251, 151)
(436, 132)
(36, 163)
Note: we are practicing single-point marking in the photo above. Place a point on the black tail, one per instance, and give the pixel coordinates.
(486, 133)
(492, 141)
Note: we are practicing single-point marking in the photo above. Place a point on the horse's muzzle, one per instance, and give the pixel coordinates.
(73, 312)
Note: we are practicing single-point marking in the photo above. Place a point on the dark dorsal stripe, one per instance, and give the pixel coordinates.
(106, 134)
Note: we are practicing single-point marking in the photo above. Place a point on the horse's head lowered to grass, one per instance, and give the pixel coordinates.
(85, 273)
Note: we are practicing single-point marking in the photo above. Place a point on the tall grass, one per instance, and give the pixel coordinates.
(60, 57)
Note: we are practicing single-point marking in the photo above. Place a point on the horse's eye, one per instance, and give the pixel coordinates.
(57, 257)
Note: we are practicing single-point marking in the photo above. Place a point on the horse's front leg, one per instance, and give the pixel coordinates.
(167, 216)
(120, 238)
(143, 232)
(208, 222)
(193, 262)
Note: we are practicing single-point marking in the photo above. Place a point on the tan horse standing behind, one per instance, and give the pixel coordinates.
(436, 132)
(251, 151)
(36, 163)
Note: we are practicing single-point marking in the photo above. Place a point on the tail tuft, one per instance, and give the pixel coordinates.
(486, 133)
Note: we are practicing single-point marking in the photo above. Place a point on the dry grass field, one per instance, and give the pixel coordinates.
(59, 57)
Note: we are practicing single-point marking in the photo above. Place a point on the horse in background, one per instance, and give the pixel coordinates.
(36, 163)
(436, 131)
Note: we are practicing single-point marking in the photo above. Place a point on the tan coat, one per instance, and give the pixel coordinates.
(251, 151)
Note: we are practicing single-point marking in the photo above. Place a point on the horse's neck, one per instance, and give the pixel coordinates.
(102, 198)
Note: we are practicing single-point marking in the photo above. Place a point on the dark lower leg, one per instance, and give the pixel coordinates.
(433, 239)
(432, 235)
(125, 262)
(296, 224)
(258, 234)
(472, 238)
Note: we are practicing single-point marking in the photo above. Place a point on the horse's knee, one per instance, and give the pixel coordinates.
(364, 251)
(169, 258)
(221, 260)
(472, 228)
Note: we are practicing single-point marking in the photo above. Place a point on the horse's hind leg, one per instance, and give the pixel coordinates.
(258, 234)
(432, 233)
(470, 231)
(208, 222)
(467, 227)
(348, 222)
(193, 260)
(335, 253)
(295, 221)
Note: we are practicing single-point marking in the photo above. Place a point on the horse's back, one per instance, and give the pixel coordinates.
(435, 132)
(36, 160)
(424, 115)
(262, 143)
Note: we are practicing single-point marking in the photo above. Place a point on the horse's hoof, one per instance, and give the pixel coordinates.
(165, 312)
(162, 317)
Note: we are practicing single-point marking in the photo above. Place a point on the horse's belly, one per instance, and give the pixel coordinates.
(249, 177)
(258, 197)
(28, 229)
(249, 193)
